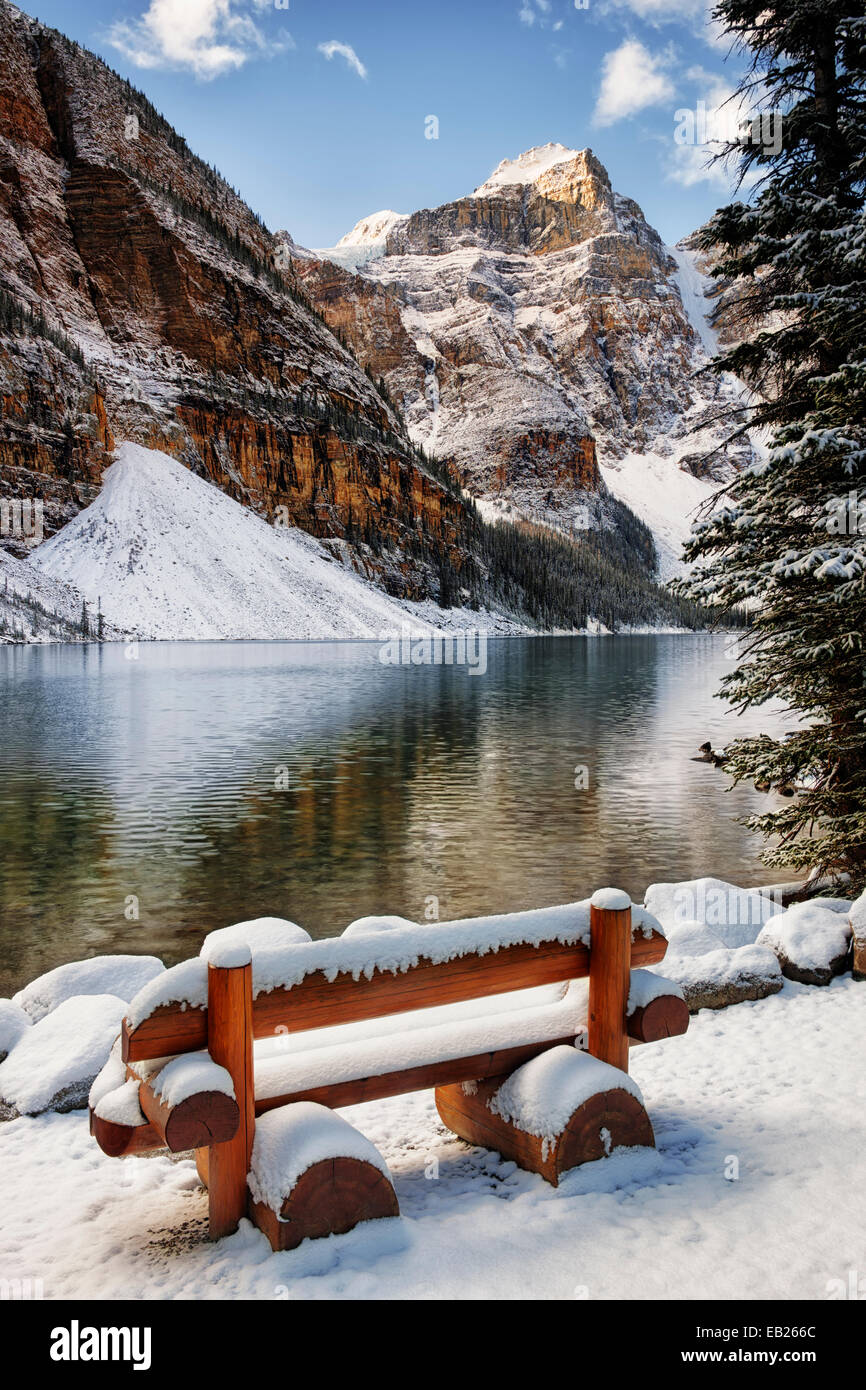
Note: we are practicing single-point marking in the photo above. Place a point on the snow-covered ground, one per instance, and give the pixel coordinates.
(750, 1192)
(769, 1090)
(170, 556)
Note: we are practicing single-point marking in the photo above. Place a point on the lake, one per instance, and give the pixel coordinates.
(148, 798)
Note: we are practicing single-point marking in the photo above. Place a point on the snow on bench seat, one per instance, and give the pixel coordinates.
(296, 1062)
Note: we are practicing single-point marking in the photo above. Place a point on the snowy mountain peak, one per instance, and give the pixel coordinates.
(373, 228)
(528, 167)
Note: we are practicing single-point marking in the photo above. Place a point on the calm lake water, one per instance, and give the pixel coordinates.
(213, 782)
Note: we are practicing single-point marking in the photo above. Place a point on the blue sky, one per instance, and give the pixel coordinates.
(317, 110)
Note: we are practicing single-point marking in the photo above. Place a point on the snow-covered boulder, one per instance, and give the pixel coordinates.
(122, 976)
(857, 921)
(734, 915)
(260, 934)
(13, 1023)
(811, 940)
(55, 1063)
(714, 979)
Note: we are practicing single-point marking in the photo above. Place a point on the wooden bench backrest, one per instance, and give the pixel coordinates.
(317, 1002)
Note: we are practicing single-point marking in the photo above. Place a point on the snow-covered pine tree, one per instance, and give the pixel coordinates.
(792, 541)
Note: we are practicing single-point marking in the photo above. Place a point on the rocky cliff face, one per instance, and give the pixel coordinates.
(141, 299)
(551, 357)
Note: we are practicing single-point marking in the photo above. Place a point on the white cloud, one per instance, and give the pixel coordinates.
(345, 51)
(209, 37)
(697, 15)
(536, 12)
(700, 132)
(632, 79)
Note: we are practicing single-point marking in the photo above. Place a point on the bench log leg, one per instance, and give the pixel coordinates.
(329, 1199)
(606, 1121)
(230, 1044)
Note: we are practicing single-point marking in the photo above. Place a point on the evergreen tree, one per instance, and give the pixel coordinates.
(791, 543)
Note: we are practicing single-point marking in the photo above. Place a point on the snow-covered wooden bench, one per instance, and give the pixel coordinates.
(487, 1011)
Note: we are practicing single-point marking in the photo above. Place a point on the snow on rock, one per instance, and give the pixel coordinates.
(291, 1139)
(172, 557)
(56, 1061)
(370, 926)
(734, 916)
(189, 1075)
(14, 1022)
(728, 975)
(260, 934)
(542, 1095)
(122, 976)
(811, 941)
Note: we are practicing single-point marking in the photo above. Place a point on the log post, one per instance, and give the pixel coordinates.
(230, 1044)
(609, 975)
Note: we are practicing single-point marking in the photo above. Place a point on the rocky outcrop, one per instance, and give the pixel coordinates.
(141, 299)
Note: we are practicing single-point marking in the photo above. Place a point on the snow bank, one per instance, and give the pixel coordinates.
(811, 941)
(290, 1140)
(542, 1095)
(260, 934)
(13, 1024)
(122, 976)
(55, 1062)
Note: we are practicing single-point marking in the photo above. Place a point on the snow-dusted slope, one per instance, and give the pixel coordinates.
(34, 607)
(172, 557)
